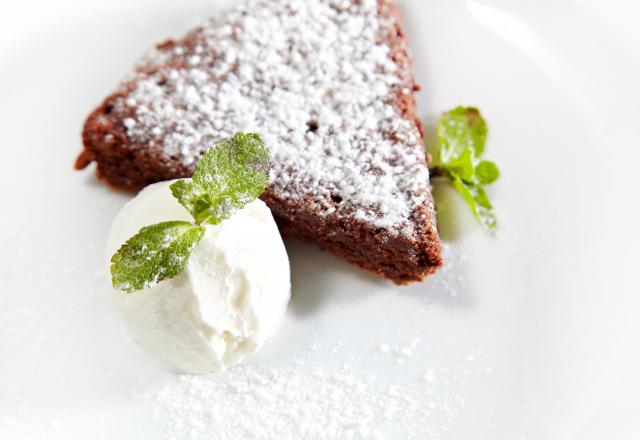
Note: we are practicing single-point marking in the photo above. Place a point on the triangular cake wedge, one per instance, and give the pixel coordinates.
(328, 84)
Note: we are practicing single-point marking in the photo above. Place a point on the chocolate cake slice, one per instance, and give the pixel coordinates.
(328, 85)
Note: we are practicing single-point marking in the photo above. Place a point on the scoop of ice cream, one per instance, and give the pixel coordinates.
(228, 301)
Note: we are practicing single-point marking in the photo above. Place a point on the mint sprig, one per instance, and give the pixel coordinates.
(227, 177)
(462, 134)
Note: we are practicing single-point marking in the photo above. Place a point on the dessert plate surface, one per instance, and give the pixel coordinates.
(530, 333)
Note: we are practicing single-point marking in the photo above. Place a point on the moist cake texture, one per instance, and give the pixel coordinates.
(328, 85)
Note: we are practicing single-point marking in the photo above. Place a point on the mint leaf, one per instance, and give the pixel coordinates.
(155, 253)
(486, 172)
(463, 165)
(227, 177)
(461, 129)
(477, 200)
(186, 192)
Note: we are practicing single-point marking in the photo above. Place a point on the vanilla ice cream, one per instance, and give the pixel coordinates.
(228, 301)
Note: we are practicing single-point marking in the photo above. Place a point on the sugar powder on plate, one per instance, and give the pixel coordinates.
(304, 400)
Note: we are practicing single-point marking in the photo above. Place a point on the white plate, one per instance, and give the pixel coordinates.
(529, 334)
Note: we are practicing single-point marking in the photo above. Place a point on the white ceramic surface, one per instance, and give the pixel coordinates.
(542, 319)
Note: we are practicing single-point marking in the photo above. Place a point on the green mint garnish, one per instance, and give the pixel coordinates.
(487, 172)
(462, 134)
(227, 177)
(154, 254)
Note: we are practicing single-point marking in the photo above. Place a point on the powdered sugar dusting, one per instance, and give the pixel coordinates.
(316, 79)
(307, 400)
